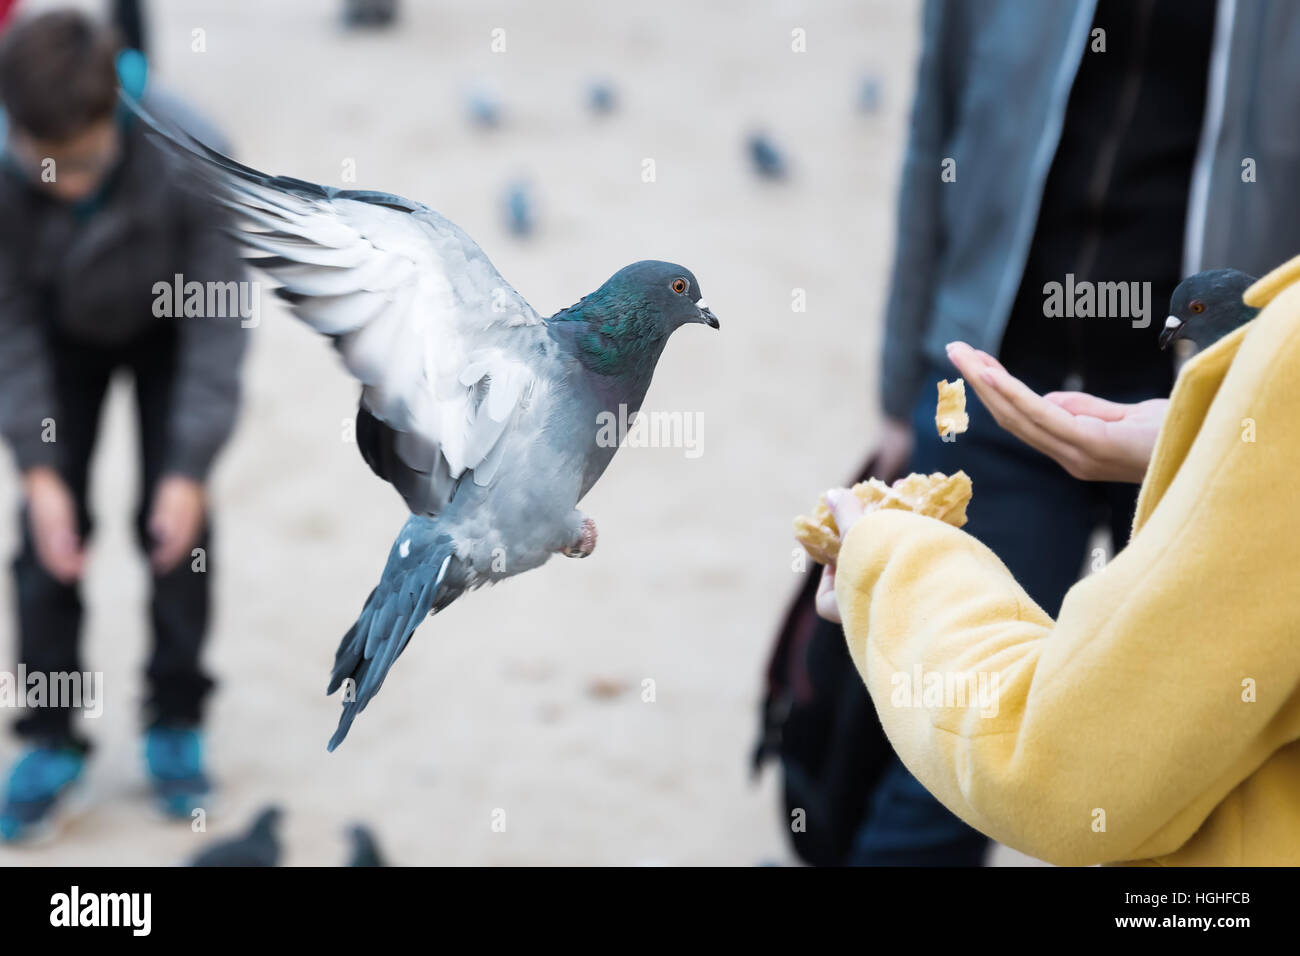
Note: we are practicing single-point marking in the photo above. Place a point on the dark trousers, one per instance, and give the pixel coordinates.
(1038, 520)
(49, 612)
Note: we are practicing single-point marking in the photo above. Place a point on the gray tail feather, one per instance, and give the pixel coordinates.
(412, 585)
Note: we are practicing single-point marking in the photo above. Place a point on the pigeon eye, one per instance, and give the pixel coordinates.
(1197, 306)
(680, 286)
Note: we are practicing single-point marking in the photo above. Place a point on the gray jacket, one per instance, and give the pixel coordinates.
(92, 281)
(994, 79)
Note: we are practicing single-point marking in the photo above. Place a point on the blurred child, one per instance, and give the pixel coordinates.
(92, 215)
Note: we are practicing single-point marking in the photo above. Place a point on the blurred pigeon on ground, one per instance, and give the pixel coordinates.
(492, 422)
(600, 97)
(258, 847)
(1207, 306)
(767, 159)
(365, 848)
(518, 204)
(483, 109)
(369, 13)
(869, 94)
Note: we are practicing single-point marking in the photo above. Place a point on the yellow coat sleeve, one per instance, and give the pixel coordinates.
(1170, 675)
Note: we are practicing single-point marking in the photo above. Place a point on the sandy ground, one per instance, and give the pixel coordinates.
(494, 704)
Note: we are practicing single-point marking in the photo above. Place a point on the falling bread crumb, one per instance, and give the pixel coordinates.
(950, 414)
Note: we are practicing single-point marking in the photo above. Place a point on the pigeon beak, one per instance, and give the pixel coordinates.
(1173, 325)
(706, 315)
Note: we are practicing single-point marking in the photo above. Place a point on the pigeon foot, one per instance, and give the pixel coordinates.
(585, 543)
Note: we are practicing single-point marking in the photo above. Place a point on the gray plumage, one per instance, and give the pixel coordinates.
(1207, 306)
(259, 846)
(484, 416)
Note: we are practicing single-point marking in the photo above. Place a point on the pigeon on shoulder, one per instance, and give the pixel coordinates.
(1207, 306)
(487, 418)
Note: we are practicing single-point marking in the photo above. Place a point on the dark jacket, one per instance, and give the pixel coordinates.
(90, 277)
(994, 80)
(1114, 206)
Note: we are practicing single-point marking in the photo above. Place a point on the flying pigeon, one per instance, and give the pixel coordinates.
(490, 420)
(1207, 306)
(365, 848)
(258, 847)
(767, 159)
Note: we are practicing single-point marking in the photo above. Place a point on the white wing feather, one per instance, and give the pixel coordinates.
(421, 317)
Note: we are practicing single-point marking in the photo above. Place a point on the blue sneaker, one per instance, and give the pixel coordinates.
(175, 759)
(38, 786)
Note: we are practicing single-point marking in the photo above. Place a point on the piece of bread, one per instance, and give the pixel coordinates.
(935, 496)
(950, 414)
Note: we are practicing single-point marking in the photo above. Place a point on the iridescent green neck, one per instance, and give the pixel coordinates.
(617, 337)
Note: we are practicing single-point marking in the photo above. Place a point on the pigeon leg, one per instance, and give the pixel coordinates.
(583, 539)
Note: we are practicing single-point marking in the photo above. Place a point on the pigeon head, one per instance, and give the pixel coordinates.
(629, 318)
(1207, 306)
(666, 290)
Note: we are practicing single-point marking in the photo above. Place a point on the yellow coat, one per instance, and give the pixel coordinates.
(1157, 720)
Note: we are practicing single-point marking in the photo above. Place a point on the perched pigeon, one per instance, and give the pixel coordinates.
(1207, 306)
(600, 97)
(518, 204)
(365, 848)
(258, 847)
(491, 421)
(869, 94)
(369, 13)
(767, 159)
(483, 109)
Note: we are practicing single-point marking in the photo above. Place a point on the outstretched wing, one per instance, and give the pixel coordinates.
(440, 342)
